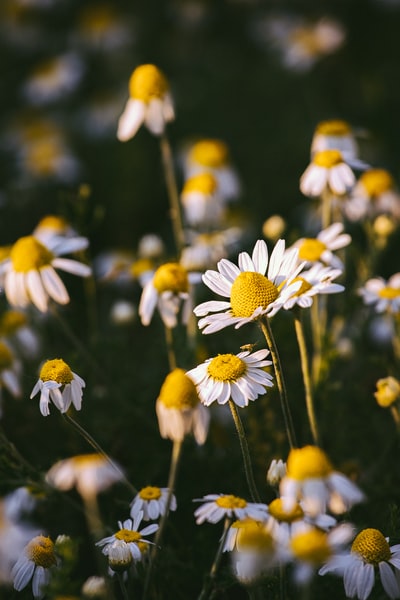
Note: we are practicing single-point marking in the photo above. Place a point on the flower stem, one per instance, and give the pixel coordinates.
(170, 180)
(305, 369)
(169, 340)
(316, 326)
(205, 592)
(287, 415)
(122, 586)
(245, 452)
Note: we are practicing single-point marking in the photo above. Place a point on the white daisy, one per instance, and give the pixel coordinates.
(57, 383)
(318, 280)
(383, 295)
(152, 501)
(10, 371)
(335, 134)
(53, 227)
(240, 377)
(201, 202)
(150, 103)
(311, 479)
(129, 533)
(216, 507)
(327, 171)
(322, 248)
(251, 293)
(374, 194)
(254, 552)
(53, 79)
(14, 326)
(30, 271)
(370, 553)
(35, 564)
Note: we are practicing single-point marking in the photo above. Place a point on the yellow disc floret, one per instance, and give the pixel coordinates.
(376, 181)
(371, 545)
(305, 286)
(40, 550)
(311, 546)
(311, 249)
(333, 127)
(11, 321)
(389, 293)
(249, 291)
(150, 493)
(307, 463)
(56, 370)
(203, 183)
(230, 502)
(53, 222)
(178, 391)
(210, 153)
(252, 535)
(226, 367)
(328, 158)
(127, 535)
(29, 254)
(387, 391)
(146, 83)
(6, 358)
(171, 277)
(275, 509)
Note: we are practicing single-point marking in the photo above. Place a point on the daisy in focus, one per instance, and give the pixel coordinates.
(29, 274)
(129, 533)
(152, 501)
(311, 479)
(383, 295)
(179, 410)
(57, 383)
(251, 293)
(150, 103)
(241, 377)
(322, 248)
(216, 507)
(36, 565)
(327, 171)
(370, 554)
(318, 280)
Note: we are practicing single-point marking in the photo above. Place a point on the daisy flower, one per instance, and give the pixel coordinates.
(370, 553)
(335, 134)
(35, 565)
(251, 293)
(374, 194)
(14, 326)
(201, 203)
(152, 501)
(216, 507)
(327, 170)
(179, 410)
(240, 377)
(387, 391)
(129, 533)
(30, 271)
(383, 295)
(53, 227)
(57, 383)
(150, 103)
(322, 248)
(318, 280)
(10, 370)
(254, 550)
(311, 479)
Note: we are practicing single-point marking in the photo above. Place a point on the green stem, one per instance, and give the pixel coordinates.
(172, 189)
(287, 415)
(326, 199)
(305, 369)
(205, 592)
(169, 340)
(122, 586)
(316, 328)
(245, 452)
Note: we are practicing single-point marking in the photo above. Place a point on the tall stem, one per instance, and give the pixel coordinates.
(316, 328)
(287, 415)
(205, 592)
(169, 340)
(245, 452)
(305, 369)
(172, 189)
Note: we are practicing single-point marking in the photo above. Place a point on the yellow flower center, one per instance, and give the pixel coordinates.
(311, 546)
(210, 153)
(11, 321)
(140, 266)
(88, 460)
(150, 493)
(54, 223)
(41, 156)
(171, 277)
(6, 357)
(146, 83)
(178, 391)
(29, 254)
(40, 550)
(305, 286)
(275, 509)
(204, 183)
(252, 535)
(387, 392)
(327, 158)
(230, 502)
(371, 545)
(307, 463)
(4, 252)
(97, 19)
(376, 181)
(311, 249)
(56, 370)
(249, 291)
(389, 293)
(334, 127)
(226, 367)
(128, 536)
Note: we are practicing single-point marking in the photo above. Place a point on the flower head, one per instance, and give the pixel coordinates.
(251, 293)
(318, 280)
(240, 377)
(200, 199)
(59, 384)
(387, 391)
(383, 295)
(254, 550)
(35, 564)
(129, 534)
(327, 170)
(322, 248)
(152, 501)
(218, 506)
(10, 369)
(374, 195)
(14, 326)
(334, 134)
(150, 103)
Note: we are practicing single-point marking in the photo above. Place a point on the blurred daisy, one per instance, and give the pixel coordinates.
(116, 266)
(251, 294)
(35, 564)
(95, 587)
(254, 551)
(383, 295)
(370, 552)
(129, 533)
(374, 194)
(150, 103)
(387, 391)
(119, 556)
(10, 372)
(151, 246)
(30, 272)
(123, 313)
(311, 479)
(201, 202)
(216, 507)
(318, 280)
(327, 171)
(54, 79)
(335, 134)
(276, 470)
(206, 249)
(101, 26)
(322, 248)
(179, 410)
(52, 229)
(274, 227)
(57, 383)
(152, 501)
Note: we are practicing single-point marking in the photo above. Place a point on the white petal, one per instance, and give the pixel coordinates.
(130, 120)
(54, 286)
